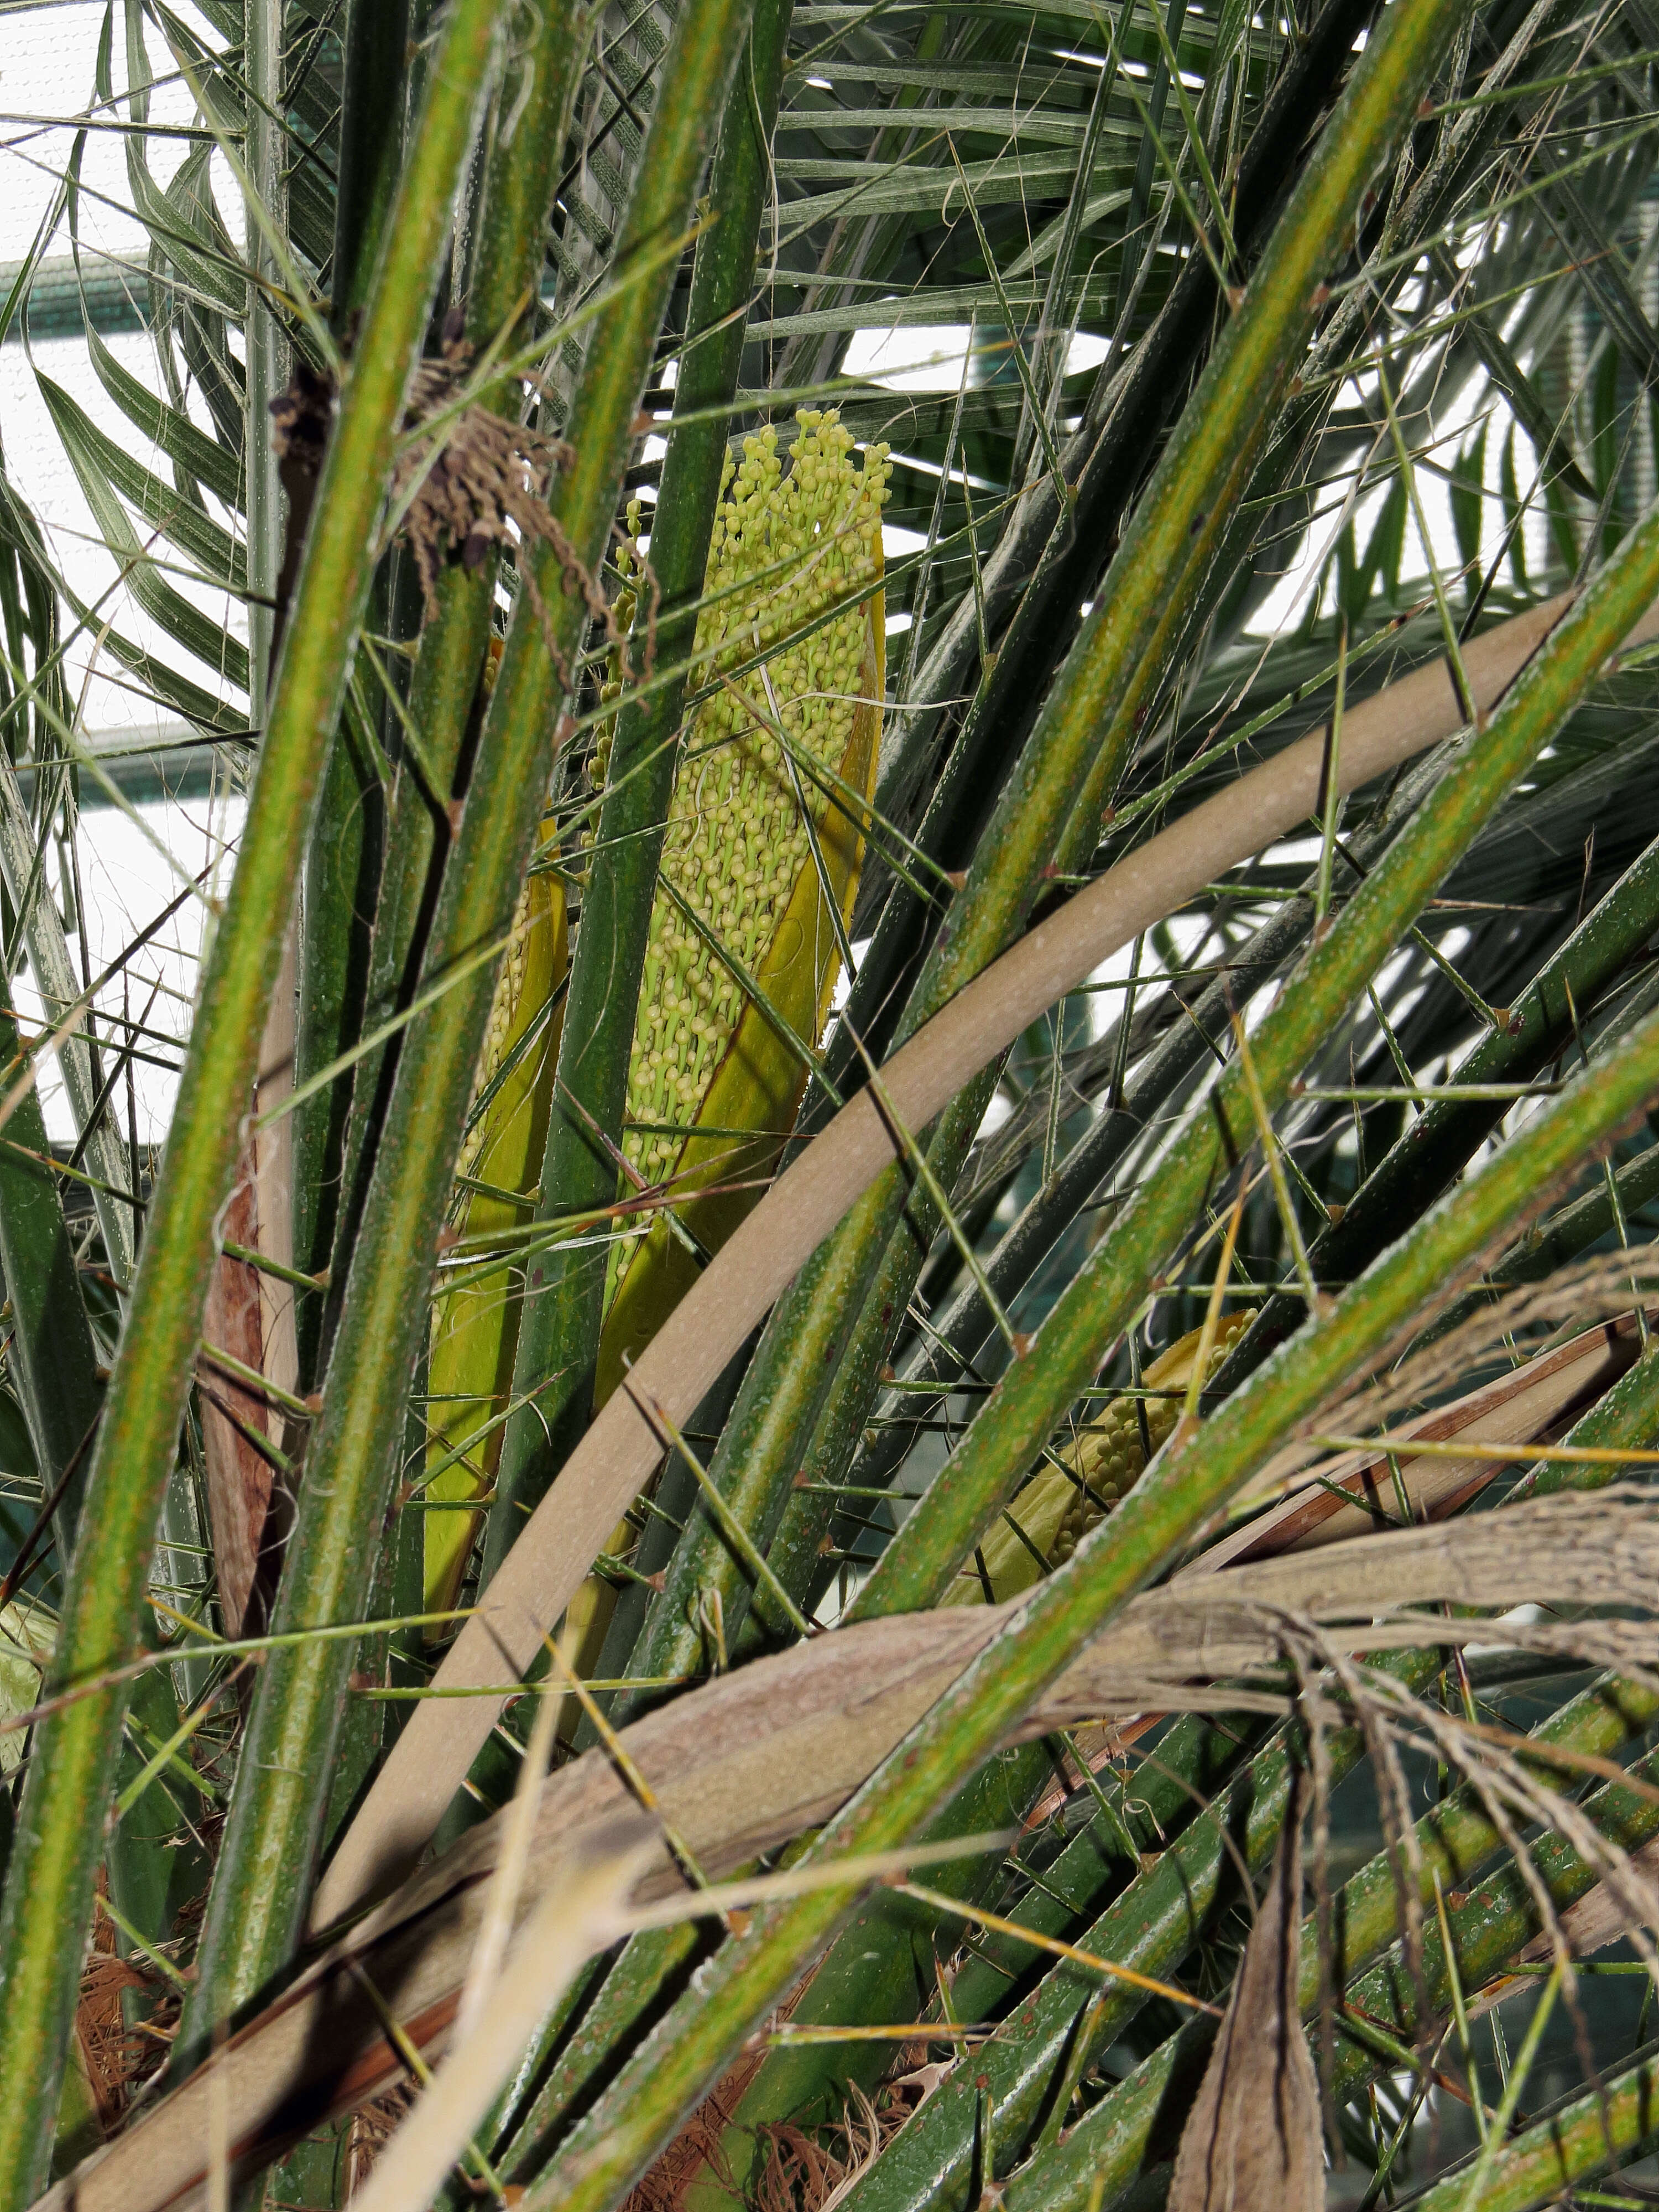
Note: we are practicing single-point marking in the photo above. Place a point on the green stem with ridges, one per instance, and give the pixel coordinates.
(445, 702)
(1623, 1420)
(750, 1465)
(443, 685)
(371, 144)
(559, 1326)
(344, 851)
(796, 1552)
(48, 1899)
(341, 876)
(1442, 1140)
(257, 1910)
(967, 1321)
(1170, 1505)
(1608, 2128)
(1575, 1227)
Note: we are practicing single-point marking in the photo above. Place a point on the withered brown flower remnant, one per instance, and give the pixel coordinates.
(468, 478)
(465, 478)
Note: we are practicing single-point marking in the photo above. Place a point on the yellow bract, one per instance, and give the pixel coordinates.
(475, 1326)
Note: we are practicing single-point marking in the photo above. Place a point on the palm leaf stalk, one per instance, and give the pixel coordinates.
(1603, 2132)
(263, 1882)
(1118, 2136)
(1148, 1925)
(57, 1350)
(937, 1538)
(1539, 1028)
(1050, 560)
(56, 1371)
(48, 1903)
(445, 685)
(318, 1003)
(448, 687)
(1575, 1227)
(966, 1324)
(1452, 1843)
(343, 849)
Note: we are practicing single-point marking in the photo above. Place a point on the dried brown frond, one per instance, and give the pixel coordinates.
(799, 2173)
(698, 2145)
(1513, 1790)
(1253, 2136)
(100, 2028)
(118, 2059)
(371, 2128)
(1598, 1288)
(803, 2173)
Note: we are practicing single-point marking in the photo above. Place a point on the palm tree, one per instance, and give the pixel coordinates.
(876, 1434)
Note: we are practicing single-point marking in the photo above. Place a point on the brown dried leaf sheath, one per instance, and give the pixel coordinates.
(239, 1476)
(1252, 2141)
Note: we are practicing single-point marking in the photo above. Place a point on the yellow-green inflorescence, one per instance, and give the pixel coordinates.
(1110, 1455)
(1053, 1513)
(787, 546)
